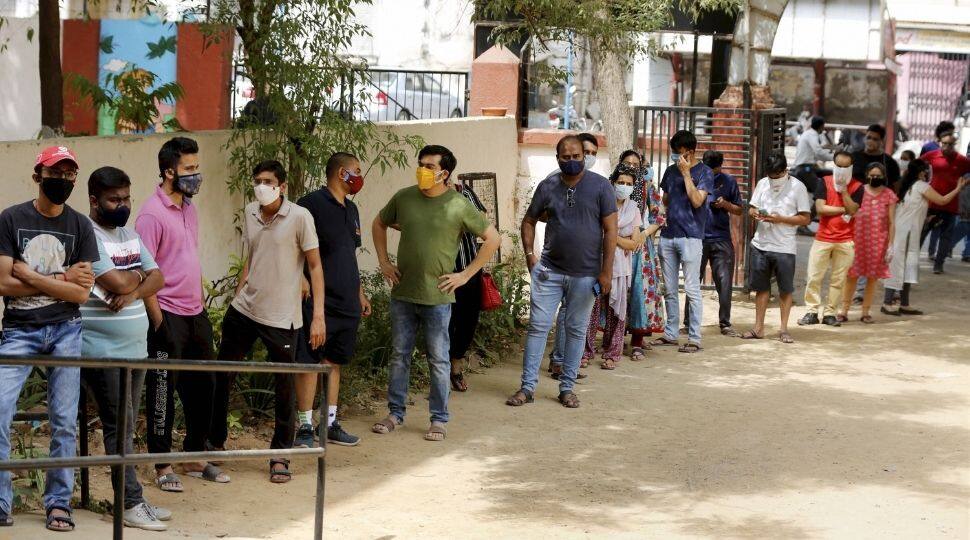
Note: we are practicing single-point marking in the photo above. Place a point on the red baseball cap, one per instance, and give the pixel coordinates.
(53, 155)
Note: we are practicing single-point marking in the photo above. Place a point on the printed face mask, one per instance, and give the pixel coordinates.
(427, 178)
(188, 184)
(589, 161)
(648, 174)
(57, 190)
(571, 167)
(115, 218)
(355, 182)
(266, 194)
(623, 192)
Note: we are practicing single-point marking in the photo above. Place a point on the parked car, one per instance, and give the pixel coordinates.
(408, 95)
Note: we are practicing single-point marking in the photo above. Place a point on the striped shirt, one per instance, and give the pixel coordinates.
(468, 244)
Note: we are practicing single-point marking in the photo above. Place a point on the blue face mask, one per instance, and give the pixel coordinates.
(589, 161)
(674, 158)
(648, 174)
(571, 167)
(623, 192)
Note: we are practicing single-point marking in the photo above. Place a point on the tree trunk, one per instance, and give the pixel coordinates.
(609, 81)
(51, 79)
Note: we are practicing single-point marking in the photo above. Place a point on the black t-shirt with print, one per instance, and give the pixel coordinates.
(49, 246)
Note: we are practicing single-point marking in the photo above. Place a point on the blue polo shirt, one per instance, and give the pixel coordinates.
(683, 220)
(719, 220)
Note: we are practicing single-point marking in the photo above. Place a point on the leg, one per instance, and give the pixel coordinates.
(547, 293)
(904, 295)
(15, 341)
(163, 343)
(964, 234)
(281, 347)
(589, 350)
(819, 259)
(722, 268)
(670, 263)
(841, 260)
(691, 256)
(465, 313)
(615, 329)
(196, 388)
(579, 298)
(239, 333)
(435, 321)
(870, 291)
(63, 392)
(850, 285)
(559, 340)
(946, 240)
(404, 326)
(707, 256)
(785, 274)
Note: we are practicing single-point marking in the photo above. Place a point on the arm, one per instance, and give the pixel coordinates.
(244, 276)
(154, 310)
(528, 233)
(55, 285)
(121, 281)
(851, 206)
(491, 240)
(626, 243)
(820, 153)
(365, 307)
(934, 197)
(798, 220)
(9, 285)
(390, 271)
(147, 288)
(892, 230)
(696, 196)
(829, 210)
(318, 330)
(609, 250)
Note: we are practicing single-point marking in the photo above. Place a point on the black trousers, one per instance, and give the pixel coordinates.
(720, 255)
(239, 334)
(188, 338)
(465, 313)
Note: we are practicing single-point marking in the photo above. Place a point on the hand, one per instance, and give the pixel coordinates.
(889, 256)
(391, 274)
(119, 302)
(318, 332)
(772, 218)
(963, 181)
(839, 186)
(606, 282)
(365, 307)
(531, 261)
(449, 282)
(683, 165)
(156, 322)
(80, 274)
(23, 272)
(304, 288)
(719, 202)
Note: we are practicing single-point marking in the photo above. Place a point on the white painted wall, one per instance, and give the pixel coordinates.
(19, 81)
(834, 30)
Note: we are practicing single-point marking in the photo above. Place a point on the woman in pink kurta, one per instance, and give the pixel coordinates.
(873, 239)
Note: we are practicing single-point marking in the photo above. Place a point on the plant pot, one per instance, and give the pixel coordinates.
(494, 111)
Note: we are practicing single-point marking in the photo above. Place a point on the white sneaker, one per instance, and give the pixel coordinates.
(142, 517)
(162, 514)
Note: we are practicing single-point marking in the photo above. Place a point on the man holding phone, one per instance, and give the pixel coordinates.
(576, 264)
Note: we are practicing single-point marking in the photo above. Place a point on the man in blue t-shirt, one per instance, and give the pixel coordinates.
(685, 190)
(723, 201)
(576, 263)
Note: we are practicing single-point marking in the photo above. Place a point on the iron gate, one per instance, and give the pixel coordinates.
(938, 86)
(744, 136)
(485, 186)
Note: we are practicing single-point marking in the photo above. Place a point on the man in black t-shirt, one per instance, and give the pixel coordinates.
(46, 251)
(337, 223)
(873, 153)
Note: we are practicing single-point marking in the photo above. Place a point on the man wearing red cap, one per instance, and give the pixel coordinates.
(46, 251)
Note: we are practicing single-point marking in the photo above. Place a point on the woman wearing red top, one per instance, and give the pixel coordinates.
(874, 231)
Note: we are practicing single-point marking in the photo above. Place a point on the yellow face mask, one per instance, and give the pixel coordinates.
(426, 178)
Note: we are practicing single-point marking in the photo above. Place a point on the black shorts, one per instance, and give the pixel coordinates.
(341, 341)
(765, 264)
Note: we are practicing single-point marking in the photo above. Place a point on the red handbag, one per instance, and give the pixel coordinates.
(491, 298)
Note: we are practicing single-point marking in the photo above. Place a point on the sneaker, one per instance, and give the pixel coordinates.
(830, 320)
(141, 516)
(337, 435)
(965, 259)
(304, 437)
(163, 514)
(938, 269)
(809, 318)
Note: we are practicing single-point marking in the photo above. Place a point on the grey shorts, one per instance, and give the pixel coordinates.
(765, 264)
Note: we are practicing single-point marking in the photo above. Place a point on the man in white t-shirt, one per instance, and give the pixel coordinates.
(779, 204)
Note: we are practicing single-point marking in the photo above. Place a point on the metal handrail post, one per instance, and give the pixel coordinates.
(121, 436)
(82, 419)
(321, 463)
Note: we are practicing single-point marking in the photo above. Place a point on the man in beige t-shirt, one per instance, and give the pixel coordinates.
(279, 238)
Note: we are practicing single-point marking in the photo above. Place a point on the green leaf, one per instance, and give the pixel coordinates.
(30, 34)
(164, 45)
(107, 44)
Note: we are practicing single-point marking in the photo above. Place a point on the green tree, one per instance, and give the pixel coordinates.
(609, 30)
(307, 89)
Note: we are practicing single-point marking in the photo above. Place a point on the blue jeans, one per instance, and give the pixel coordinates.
(559, 341)
(63, 391)
(682, 254)
(549, 290)
(406, 319)
(963, 233)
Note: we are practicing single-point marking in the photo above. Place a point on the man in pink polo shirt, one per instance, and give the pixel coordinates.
(169, 227)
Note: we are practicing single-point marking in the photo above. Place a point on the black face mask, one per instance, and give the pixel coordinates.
(115, 218)
(57, 190)
(877, 181)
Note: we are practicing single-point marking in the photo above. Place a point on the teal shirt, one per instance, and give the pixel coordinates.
(104, 333)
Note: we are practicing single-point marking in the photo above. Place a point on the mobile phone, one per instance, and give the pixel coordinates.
(762, 211)
(597, 290)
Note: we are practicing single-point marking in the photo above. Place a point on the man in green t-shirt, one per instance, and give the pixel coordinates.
(431, 218)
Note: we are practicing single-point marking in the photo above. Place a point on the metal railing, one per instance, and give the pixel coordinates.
(120, 458)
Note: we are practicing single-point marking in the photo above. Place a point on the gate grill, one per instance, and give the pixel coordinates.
(938, 85)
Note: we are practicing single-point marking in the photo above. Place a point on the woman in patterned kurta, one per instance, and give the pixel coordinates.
(645, 312)
(873, 238)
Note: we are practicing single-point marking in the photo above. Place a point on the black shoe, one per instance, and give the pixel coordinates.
(964, 259)
(884, 311)
(304, 437)
(938, 269)
(808, 319)
(337, 435)
(831, 320)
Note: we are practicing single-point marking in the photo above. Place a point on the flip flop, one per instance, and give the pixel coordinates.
(210, 473)
(170, 478)
(387, 425)
(751, 335)
(637, 354)
(436, 433)
(608, 364)
(690, 348)
(664, 342)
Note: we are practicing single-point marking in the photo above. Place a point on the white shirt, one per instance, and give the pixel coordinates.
(787, 198)
(809, 149)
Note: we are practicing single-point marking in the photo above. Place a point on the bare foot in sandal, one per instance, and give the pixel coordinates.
(387, 425)
(751, 334)
(436, 432)
(785, 337)
(608, 364)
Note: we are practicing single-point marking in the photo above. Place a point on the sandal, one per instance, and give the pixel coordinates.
(584, 363)
(458, 383)
(5, 520)
(842, 318)
(279, 476)
(172, 480)
(867, 319)
(663, 342)
(785, 337)
(569, 400)
(210, 473)
(690, 348)
(729, 331)
(387, 425)
(608, 364)
(520, 398)
(436, 432)
(750, 334)
(894, 312)
(67, 520)
(637, 354)
(555, 373)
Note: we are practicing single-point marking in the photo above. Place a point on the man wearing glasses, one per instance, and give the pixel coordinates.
(873, 152)
(947, 166)
(576, 263)
(46, 251)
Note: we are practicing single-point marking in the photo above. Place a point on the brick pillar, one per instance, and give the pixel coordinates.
(203, 70)
(79, 55)
(495, 81)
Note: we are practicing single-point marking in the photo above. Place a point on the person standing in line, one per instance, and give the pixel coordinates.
(780, 205)
(46, 251)
(685, 189)
(114, 324)
(915, 194)
(278, 238)
(467, 309)
(337, 223)
(809, 151)
(613, 306)
(874, 152)
(948, 167)
(943, 128)
(169, 227)
(646, 313)
(723, 202)
(576, 264)
(837, 199)
(874, 232)
(431, 217)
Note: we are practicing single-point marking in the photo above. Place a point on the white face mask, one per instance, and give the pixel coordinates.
(903, 165)
(266, 195)
(778, 183)
(841, 174)
(588, 161)
(623, 191)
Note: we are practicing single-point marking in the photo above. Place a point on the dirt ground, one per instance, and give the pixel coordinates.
(855, 432)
